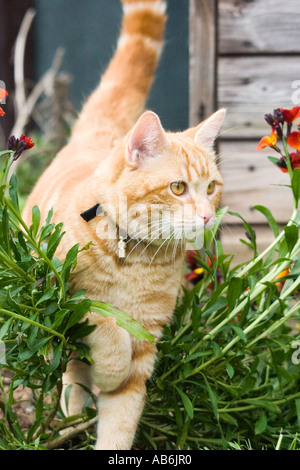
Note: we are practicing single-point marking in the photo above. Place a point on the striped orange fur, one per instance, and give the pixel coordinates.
(118, 153)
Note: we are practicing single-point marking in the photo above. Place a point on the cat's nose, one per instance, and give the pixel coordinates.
(207, 217)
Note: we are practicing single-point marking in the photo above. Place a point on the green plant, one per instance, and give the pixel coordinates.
(229, 365)
(40, 321)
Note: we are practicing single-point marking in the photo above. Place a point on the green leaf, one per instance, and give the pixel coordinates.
(297, 403)
(4, 328)
(70, 261)
(123, 319)
(230, 370)
(274, 160)
(47, 295)
(5, 230)
(268, 215)
(240, 333)
(248, 228)
(55, 359)
(13, 191)
(54, 240)
(234, 291)
(291, 236)
(186, 402)
(220, 304)
(80, 330)
(296, 184)
(79, 310)
(25, 355)
(261, 424)
(36, 219)
(213, 398)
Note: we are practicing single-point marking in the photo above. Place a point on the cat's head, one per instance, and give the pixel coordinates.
(162, 184)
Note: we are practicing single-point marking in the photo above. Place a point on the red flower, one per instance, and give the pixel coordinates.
(294, 140)
(3, 94)
(19, 145)
(268, 141)
(28, 141)
(295, 160)
(290, 115)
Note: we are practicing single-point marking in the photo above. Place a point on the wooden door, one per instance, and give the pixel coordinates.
(244, 56)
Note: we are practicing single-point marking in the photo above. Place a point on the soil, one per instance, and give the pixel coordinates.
(23, 407)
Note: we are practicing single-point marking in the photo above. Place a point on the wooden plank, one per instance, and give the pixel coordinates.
(264, 26)
(203, 20)
(249, 87)
(230, 237)
(248, 181)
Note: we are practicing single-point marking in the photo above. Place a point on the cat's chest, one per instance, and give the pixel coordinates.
(130, 285)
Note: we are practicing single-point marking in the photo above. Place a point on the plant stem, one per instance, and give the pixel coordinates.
(247, 330)
(32, 322)
(276, 324)
(37, 248)
(9, 262)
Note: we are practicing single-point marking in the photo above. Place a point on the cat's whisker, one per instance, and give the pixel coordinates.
(144, 239)
(160, 246)
(167, 229)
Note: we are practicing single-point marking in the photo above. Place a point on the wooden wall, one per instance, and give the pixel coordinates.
(245, 56)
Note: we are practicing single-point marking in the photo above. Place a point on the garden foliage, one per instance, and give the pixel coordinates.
(228, 369)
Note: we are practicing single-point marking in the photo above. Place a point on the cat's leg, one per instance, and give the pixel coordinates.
(77, 373)
(120, 410)
(110, 349)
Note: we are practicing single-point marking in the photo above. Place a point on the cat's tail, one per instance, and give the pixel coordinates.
(120, 98)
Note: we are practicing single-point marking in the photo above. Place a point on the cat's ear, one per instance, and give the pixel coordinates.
(147, 139)
(209, 129)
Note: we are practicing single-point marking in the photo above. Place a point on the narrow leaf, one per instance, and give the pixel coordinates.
(186, 402)
(123, 319)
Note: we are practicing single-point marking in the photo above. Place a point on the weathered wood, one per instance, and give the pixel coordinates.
(203, 20)
(248, 181)
(249, 87)
(264, 26)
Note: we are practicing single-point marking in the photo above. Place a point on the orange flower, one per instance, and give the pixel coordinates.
(3, 94)
(295, 160)
(294, 140)
(290, 115)
(280, 284)
(28, 141)
(268, 141)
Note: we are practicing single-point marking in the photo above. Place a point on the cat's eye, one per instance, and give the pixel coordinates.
(211, 187)
(178, 188)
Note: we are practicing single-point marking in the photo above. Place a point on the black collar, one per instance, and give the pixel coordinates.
(91, 213)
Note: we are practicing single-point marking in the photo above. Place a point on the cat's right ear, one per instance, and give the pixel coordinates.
(207, 132)
(146, 141)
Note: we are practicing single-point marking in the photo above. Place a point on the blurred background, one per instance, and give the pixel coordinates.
(87, 32)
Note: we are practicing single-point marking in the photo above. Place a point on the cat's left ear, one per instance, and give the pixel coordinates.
(209, 129)
(147, 139)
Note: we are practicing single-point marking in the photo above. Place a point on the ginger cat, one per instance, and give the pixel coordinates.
(116, 153)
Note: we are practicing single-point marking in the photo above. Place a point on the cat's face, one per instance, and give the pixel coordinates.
(165, 185)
